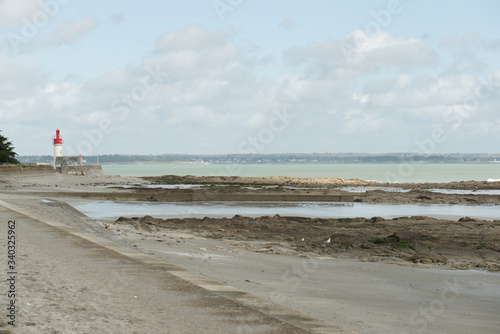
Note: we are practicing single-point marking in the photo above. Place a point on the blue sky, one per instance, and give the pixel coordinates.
(243, 76)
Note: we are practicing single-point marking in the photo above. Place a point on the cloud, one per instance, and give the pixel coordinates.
(191, 38)
(467, 52)
(469, 44)
(288, 24)
(65, 34)
(12, 12)
(383, 49)
(327, 80)
(362, 99)
(69, 33)
(205, 80)
(359, 54)
(205, 91)
(198, 114)
(18, 82)
(195, 52)
(493, 45)
(422, 91)
(359, 122)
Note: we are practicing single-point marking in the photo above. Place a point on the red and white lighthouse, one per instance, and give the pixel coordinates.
(57, 146)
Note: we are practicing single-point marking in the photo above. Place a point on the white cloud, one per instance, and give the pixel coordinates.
(359, 54)
(404, 80)
(192, 38)
(258, 120)
(424, 92)
(359, 122)
(70, 32)
(62, 97)
(362, 99)
(16, 81)
(12, 12)
(208, 87)
(199, 114)
(382, 49)
(195, 52)
(64, 34)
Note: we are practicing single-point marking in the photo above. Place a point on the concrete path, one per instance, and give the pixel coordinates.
(70, 281)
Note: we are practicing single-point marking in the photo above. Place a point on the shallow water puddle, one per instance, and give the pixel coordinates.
(114, 210)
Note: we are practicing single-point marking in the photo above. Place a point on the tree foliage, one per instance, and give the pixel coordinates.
(7, 154)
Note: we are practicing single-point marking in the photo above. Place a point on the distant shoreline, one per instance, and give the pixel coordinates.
(288, 163)
(276, 158)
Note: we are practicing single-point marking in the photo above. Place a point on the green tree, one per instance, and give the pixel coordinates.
(7, 154)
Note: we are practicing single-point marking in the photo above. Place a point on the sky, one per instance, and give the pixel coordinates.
(250, 76)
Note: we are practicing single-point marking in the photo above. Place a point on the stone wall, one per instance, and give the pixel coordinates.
(87, 170)
(68, 161)
(29, 170)
(26, 170)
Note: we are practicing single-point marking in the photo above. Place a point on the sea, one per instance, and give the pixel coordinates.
(396, 173)
(391, 172)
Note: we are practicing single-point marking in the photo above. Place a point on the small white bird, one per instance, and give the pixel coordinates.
(302, 239)
(327, 241)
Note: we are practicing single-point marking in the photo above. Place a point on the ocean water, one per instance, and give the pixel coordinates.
(398, 172)
(114, 210)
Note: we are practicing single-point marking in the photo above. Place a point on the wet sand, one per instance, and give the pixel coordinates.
(464, 244)
(351, 281)
(367, 297)
(247, 189)
(315, 182)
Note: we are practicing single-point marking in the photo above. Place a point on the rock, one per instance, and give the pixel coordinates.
(467, 219)
(148, 219)
(424, 198)
(426, 258)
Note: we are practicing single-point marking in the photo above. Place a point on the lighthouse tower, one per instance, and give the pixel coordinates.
(57, 146)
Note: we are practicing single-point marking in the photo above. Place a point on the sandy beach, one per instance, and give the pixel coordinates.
(374, 275)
